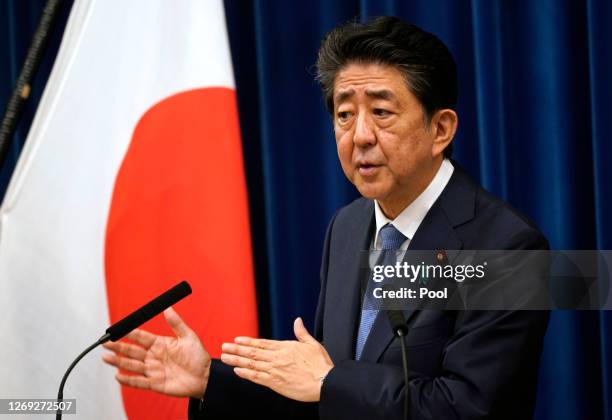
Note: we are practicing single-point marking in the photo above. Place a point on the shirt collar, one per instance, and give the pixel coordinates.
(409, 220)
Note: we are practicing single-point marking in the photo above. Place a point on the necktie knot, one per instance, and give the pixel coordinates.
(390, 237)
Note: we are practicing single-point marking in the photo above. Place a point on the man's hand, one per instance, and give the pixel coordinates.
(177, 366)
(291, 368)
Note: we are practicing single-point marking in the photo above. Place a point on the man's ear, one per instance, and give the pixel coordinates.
(443, 126)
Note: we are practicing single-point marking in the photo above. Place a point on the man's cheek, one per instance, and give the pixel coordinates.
(347, 168)
(344, 154)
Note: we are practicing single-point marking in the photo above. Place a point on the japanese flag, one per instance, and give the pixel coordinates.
(130, 181)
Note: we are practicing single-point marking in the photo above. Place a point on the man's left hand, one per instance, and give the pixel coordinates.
(291, 368)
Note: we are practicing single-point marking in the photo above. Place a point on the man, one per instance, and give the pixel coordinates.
(391, 89)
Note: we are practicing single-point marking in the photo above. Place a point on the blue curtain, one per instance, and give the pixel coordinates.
(535, 103)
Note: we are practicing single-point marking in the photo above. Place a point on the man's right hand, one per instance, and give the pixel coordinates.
(177, 366)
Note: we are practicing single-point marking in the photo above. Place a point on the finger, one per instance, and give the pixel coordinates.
(131, 350)
(131, 365)
(176, 323)
(258, 343)
(248, 352)
(256, 376)
(301, 333)
(243, 362)
(142, 337)
(135, 381)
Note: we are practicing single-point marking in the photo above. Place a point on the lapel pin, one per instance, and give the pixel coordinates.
(441, 255)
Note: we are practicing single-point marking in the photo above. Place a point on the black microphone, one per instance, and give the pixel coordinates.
(398, 323)
(134, 320)
(400, 329)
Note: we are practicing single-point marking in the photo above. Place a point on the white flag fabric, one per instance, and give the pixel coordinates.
(131, 180)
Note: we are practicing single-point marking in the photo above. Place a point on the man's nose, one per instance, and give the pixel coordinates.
(364, 132)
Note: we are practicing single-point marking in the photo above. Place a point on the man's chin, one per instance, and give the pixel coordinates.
(370, 191)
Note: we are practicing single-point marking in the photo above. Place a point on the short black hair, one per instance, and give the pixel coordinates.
(424, 60)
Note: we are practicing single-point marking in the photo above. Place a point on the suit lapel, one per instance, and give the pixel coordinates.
(454, 206)
(344, 285)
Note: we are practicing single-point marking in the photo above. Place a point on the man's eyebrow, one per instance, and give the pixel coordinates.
(385, 94)
(344, 95)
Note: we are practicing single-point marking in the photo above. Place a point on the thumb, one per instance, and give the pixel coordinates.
(176, 323)
(301, 333)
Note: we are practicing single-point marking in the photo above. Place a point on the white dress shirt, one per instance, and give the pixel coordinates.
(409, 220)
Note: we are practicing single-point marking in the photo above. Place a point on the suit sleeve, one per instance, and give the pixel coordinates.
(481, 360)
(229, 396)
(318, 330)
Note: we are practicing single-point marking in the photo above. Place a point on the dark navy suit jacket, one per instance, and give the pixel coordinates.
(463, 365)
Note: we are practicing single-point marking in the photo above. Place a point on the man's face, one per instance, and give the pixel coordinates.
(384, 147)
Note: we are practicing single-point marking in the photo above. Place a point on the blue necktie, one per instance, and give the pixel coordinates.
(390, 239)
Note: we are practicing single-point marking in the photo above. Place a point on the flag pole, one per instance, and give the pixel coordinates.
(23, 87)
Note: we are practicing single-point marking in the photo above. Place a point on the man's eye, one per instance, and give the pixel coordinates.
(344, 115)
(381, 112)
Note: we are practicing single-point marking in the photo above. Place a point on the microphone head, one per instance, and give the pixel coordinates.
(398, 322)
(134, 320)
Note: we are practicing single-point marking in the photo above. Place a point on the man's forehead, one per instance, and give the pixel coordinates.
(359, 78)
(374, 80)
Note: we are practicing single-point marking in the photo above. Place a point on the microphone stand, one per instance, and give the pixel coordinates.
(400, 330)
(60, 393)
(400, 333)
(134, 320)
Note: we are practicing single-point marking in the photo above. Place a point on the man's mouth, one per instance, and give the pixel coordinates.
(368, 169)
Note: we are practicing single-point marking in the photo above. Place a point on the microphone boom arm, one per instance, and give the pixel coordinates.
(60, 393)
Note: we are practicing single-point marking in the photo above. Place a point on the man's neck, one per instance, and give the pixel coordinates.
(393, 206)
